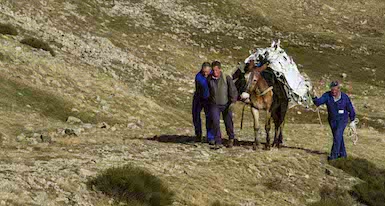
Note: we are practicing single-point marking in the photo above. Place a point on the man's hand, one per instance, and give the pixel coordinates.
(231, 107)
(352, 124)
(312, 93)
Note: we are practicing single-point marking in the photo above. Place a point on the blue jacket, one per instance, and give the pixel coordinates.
(340, 110)
(201, 87)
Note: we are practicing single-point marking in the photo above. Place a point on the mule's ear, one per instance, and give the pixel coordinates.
(273, 44)
(278, 45)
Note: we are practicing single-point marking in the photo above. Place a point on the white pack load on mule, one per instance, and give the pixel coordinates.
(286, 71)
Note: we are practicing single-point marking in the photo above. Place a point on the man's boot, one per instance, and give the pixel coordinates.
(212, 142)
(218, 146)
(231, 143)
(198, 138)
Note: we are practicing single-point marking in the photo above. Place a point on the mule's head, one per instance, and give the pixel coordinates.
(252, 79)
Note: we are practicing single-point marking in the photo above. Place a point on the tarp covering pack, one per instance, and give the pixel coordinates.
(286, 71)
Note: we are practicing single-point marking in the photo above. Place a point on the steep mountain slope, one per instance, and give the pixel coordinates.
(127, 67)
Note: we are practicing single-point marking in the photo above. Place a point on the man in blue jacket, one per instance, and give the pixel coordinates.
(340, 110)
(200, 101)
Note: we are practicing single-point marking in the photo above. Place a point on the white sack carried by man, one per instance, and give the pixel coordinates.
(286, 71)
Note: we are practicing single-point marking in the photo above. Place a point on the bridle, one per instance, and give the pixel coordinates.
(250, 80)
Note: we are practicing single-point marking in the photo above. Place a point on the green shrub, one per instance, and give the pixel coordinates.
(219, 203)
(372, 191)
(334, 197)
(38, 44)
(330, 202)
(132, 185)
(8, 29)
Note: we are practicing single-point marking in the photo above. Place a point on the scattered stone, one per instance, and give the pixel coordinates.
(46, 138)
(78, 131)
(267, 30)
(86, 173)
(3, 138)
(69, 131)
(132, 126)
(32, 141)
(140, 123)
(87, 126)
(21, 137)
(328, 172)
(299, 112)
(205, 154)
(73, 120)
(36, 135)
(344, 75)
(103, 125)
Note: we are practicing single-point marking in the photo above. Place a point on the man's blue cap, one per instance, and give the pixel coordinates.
(334, 84)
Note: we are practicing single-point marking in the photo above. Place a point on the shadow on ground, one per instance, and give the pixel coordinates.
(370, 192)
(186, 139)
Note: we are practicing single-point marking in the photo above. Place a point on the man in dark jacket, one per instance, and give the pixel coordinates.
(223, 94)
(200, 101)
(340, 110)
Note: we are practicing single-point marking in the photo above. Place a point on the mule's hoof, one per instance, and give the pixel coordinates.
(255, 145)
(267, 146)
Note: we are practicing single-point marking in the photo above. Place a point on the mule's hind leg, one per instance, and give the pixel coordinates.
(283, 107)
(267, 129)
(255, 114)
(277, 125)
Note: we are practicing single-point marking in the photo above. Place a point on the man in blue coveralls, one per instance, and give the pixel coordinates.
(200, 102)
(340, 110)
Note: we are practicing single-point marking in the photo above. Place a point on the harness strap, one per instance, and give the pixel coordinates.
(266, 91)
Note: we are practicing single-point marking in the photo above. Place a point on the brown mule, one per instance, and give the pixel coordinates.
(270, 98)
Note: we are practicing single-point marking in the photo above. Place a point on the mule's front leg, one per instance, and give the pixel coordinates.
(255, 114)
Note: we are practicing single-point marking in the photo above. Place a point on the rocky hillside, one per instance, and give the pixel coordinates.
(107, 76)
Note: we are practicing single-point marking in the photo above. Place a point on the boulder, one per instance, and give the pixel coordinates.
(73, 120)
(87, 126)
(46, 138)
(21, 137)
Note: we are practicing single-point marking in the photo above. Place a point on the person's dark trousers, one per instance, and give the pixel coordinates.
(198, 105)
(338, 148)
(215, 113)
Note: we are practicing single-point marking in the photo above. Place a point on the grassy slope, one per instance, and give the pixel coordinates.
(303, 26)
